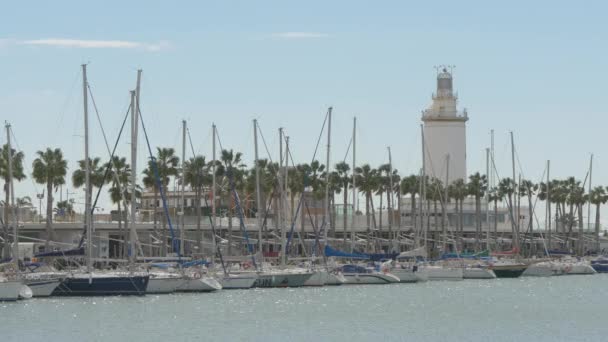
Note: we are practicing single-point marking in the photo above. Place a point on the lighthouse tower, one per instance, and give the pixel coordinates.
(445, 133)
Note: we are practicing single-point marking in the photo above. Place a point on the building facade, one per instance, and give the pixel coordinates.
(445, 133)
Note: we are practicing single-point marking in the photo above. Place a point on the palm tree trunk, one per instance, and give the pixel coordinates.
(199, 231)
(7, 244)
(230, 226)
(49, 216)
(597, 227)
(570, 225)
(413, 217)
(155, 208)
(380, 218)
(121, 232)
(581, 240)
(495, 219)
(477, 222)
(367, 216)
(344, 204)
(389, 211)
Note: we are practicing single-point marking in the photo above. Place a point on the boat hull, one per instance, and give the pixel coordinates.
(282, 279)
(238, 281)
(103, 286)
(600, 268)
(370, 278)
(164, 285)
(582, 269)
(478, 273)
(204, 284)
(437, 273)
(405, 275)
(9, 290)
(43, 288)
(508, 272)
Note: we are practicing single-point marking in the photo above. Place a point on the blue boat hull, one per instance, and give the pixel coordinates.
(103, 286)
(600, 268)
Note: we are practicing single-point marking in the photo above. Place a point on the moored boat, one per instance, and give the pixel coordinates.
(238, 281)
(600, 265)
(9, 289)
(102, 284)
(164, 282)
(478, 273)
(441, 273)
(508, 268)
(357, 274)
(283, 278)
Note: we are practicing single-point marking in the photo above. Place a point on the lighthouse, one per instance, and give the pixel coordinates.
(445, 132)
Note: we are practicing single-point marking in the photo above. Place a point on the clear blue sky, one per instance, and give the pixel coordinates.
(537, 68)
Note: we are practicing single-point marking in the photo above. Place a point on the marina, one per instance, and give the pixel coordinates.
(303, 171)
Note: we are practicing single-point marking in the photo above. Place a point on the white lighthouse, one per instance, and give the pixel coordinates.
(445, 133)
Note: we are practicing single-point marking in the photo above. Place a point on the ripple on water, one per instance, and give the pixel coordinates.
(535, 309)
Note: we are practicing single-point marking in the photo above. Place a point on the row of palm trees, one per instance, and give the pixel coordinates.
(374, 184)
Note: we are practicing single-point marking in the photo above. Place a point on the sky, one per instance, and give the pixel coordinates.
(534, 68)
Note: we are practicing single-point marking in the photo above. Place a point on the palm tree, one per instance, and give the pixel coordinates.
(121, 171)
(411, 185)
(495, 196)
(367, 183)
(335, 187)
(96, 175)
(381, 187)
(574, 197)
(344, 179)
(528, 189)
(166, 163)
(477, 186)
(506, 188)
(458, 191)
(196, 174)
(597, 197)
(49, 168)
(229, 170)
(64, 208)
(19, 175)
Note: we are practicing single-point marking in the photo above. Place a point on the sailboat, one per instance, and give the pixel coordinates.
(91, 282)
(267, 275)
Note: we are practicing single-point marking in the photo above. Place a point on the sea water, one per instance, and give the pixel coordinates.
(566, 308)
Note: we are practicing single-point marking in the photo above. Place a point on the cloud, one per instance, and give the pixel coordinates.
(299, 35)
(96, 44)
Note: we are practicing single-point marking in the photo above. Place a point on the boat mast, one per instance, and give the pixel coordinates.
(280, 198)
(390, 203)
(133, 176)
(183, 192)
(487, 197)
(548, 208)
(516, 220)
(87, 177)
(134, 129)
(445, 201)
(213, 192)
(423, 188)
(284, 200)
(327, 168)
(11, 190)
(354, 212)
(258, 196)
(588, 204)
